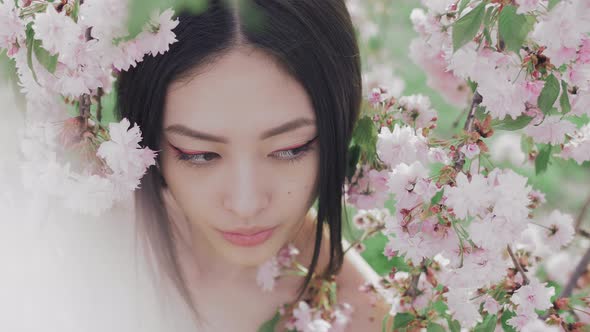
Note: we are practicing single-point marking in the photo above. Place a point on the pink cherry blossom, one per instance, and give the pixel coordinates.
(403, 145)
(525, 6)
(123, 154)
(491, 305)
(370, 190)
(12, 28)
(417, 111)
(286, 255)
(584, 51)
(267, 274)
(157, 39)
(510, 194)
(552, 130)
(94, 12)
(468, 197)
(561, 31)
(535, 295)
(341, 317)
(58, 33)
(578, 148)
(462, 308)
(470, 150)
(561, 230)
(409, 185)
(308, 321)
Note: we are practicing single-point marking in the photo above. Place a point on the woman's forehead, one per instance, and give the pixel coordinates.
(243, 89)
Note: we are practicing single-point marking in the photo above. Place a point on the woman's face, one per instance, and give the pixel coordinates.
(240, 155)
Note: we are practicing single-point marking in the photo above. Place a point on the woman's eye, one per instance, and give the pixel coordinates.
(294, 153)
(199, 158)
(291, 153)
(203, 158)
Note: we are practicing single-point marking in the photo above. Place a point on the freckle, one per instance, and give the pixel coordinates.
(288, 193)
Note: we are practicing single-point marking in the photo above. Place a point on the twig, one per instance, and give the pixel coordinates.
(413, 291)
(99, 95)
(571, 283)
(460, 157)
(580, 269)
(582, 214)
(519, 267)
(84, 109)
(477, 99)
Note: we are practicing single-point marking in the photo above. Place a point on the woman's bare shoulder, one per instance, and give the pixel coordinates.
(369, 309)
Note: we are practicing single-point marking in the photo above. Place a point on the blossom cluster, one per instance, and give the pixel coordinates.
(318, 311)
(466, 237)
(67, 55)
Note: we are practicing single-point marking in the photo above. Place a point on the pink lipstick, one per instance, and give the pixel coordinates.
(248, 238)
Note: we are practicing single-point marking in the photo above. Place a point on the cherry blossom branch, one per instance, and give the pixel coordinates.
(477, 99)
(582, 214)
(519, 267)
(571, 283)
(580, 269)
(363, 237)
(413, 291)
(99, 95)
(85, 109)
(468, 127)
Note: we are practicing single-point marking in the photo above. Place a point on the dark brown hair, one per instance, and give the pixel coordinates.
(313, 40)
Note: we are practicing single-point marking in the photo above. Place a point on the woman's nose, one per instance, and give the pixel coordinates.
(247, 194)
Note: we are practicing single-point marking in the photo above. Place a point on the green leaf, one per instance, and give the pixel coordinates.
(45, 58)
(466, 27)
(462, 5)
(76, 11)
(542, 160)
(526, 144)
(440, 307)
(512, 124)
(564, 100)
(436, 198)
(552, 3)
(402, 319)
(505, 317)
(433, 327)
(30, 35)
(549, 94)
(488, 324)
(365, 135)
(514, 28)
(270, 325)
(454, 325)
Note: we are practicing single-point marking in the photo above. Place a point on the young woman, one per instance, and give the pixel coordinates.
(251, 111)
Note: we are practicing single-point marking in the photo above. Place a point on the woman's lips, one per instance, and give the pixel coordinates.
(248, 239)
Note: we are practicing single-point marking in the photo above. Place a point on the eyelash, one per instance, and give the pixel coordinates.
(298, 153)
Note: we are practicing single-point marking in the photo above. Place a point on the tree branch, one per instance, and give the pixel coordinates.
(582, 214)
(519, 267)
(468, 127)
(580, 269)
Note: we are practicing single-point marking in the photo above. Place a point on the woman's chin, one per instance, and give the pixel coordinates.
(249, 257)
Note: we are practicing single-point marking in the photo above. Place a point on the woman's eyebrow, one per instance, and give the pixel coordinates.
(285, 127)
